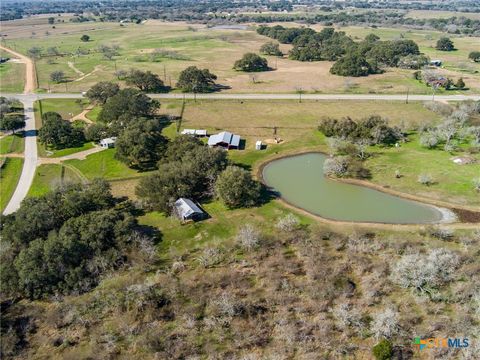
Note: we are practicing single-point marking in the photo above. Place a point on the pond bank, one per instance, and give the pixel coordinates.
(396, 204)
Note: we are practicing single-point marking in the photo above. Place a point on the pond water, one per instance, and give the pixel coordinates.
(300, 181)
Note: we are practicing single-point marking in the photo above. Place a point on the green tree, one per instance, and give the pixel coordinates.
(85, 38)
(188, 169)
(12, 122)
(57, 76)
(34, 52)
(146, 81)
(383, 350)
(58, 133)
(475, 56)
(445, 44)
(51, 20)
(352, 65)
(101, 91)
(96, 132)
(127, 103)
(251, 62)
(141, 143)
(192, 79)
(271, 48)
(460, 84)
(236, 188)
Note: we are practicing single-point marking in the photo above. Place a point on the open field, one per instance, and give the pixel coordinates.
(12, 76)
(50, 176)
(201, 46)
(12, 144)
(9, 175)
(437, 14)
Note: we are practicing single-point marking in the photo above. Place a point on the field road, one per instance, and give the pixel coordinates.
(218, 96)
(30, 158)
(30, 81)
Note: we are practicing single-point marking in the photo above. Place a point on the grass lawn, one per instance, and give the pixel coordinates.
(62, 152)
(103, 164)
(9, 175)
(12, 77)
(67, 108)
(453, 182)
(12, 144)
(177, 238)
(50, 176)
(93, 114)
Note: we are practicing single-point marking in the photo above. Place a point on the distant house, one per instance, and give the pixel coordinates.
(225, 139)
(108, 143)
(435, 62)
(195, 132)
(186, 210)
(258, 145)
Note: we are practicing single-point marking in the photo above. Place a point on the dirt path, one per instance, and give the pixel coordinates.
(30, 79)
(74, 68)
(83, 115)
(81, 155)
(83, 76)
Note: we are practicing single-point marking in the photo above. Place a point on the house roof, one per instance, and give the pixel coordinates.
(186, 207)
(110, 140)
(224, 137)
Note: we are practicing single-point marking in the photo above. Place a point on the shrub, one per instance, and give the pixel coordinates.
(251, 62)
(383, 350)
(248, 237)
(271, 48)
(429, 140)
(386, 324)
(425, 179)
(445, 44)
(288, 223)
(236, 188)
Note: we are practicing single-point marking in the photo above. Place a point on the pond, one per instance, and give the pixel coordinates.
(300, 181)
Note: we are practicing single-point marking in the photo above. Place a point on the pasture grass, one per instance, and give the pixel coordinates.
(203, 46)
(49, 177)
(12, 144)
(12, 77)
(9, 175)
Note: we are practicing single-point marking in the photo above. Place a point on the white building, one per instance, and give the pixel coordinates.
(225, 139)
(258, 145)
(186, 209)
(108, 143)
(194, 132)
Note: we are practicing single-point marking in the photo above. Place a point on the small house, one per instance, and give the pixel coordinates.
(436, 63)
(187, 210)
(225, 139)
(258, 145)
(108, 143)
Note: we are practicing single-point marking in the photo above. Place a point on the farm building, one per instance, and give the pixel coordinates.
(225, 139)
(186, 209)
(195, 132)
(108, 143)
(258, 145)
(435, 62)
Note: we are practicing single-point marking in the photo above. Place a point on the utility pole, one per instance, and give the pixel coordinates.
(408, 90)
(164, 73)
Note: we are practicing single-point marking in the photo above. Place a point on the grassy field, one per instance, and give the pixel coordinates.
(103, 164)
(9, 175)
(50, 176)
(200, 46)
(68, 108)
(12, 144)
(438, 14)
(12, 74)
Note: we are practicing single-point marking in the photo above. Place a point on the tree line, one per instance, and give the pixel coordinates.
(369, 56)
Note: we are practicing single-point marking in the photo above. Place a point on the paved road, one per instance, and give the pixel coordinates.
(30, 159)
(218, 96)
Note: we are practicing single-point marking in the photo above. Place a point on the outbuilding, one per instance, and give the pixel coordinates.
(108, 143)
(258, 145)
(187, 210)
(436, 63)
(195, 132)
(225, 139)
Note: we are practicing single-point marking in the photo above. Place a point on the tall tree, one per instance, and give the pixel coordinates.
(251, 62)
(59, 133)
(236, 188)
(193, 79)
(141, 143)
(445, 44)
(101, 91)
(12, 122)
(146, 81)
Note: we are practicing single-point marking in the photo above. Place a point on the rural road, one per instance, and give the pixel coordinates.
(217, 96)
(30, 158)
(30, 82)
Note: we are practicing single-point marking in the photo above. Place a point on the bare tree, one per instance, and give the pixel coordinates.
(248, 237)
(386, 324)
(288, 223)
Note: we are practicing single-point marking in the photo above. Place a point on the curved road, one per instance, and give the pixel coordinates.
(30, 161)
